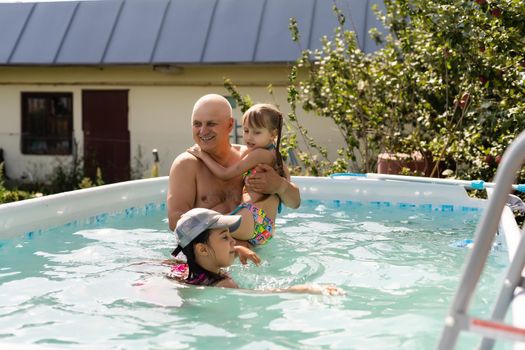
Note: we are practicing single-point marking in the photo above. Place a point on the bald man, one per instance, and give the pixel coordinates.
(192, 185)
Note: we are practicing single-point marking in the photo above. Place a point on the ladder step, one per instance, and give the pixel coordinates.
(493, 329)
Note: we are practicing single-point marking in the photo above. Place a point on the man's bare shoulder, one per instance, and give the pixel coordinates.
(227, 283)
(185, 159)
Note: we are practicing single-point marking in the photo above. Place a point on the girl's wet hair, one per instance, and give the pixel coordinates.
(194, 269)
(267, 116)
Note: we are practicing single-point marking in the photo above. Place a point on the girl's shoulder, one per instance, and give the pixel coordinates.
(227, 282)
(262, 154)
(179, 271)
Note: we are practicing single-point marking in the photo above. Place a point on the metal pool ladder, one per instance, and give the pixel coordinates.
(458, 318)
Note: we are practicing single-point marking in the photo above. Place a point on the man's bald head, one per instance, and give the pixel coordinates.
(212, 122)
(213, 104)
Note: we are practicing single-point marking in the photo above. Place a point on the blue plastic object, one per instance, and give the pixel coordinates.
(347, 174)
(520, 188)
(464, 243)
(477, 184)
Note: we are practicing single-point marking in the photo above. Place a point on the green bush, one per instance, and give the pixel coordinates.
(10, 195)
(448, 82)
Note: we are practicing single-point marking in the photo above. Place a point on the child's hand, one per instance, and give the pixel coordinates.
(246, 254)
(195, 150)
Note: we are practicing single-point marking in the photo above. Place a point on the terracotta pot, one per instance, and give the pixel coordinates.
(390, 163)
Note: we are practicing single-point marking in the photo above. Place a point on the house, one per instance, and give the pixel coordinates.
(111, 80)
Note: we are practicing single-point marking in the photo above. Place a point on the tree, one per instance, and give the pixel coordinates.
(448, 83)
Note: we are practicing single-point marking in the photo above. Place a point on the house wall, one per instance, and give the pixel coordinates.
(160, 105)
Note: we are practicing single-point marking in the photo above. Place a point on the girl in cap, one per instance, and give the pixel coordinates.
(205, 239)
(262, 125)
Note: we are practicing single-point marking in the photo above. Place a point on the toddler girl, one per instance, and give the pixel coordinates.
(262, 125)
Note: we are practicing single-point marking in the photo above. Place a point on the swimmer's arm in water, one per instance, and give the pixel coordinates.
(301, 288)
(249, 161)
(310, 289)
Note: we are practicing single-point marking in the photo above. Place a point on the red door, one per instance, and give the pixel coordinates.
(106, 134)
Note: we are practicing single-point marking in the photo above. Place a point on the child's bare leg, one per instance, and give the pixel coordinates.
(245, 230)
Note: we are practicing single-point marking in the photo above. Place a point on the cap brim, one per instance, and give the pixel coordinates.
(230, 221)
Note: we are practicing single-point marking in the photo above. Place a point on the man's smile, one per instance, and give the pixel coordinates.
(206, 138)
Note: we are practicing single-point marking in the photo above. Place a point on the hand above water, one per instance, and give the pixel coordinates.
(246, 254)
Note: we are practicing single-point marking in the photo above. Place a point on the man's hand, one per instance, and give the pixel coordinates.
(265, 180)
(246, 254)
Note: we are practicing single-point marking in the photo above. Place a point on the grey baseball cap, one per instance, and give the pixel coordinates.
(192, 223)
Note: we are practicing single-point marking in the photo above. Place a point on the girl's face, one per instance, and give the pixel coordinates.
(257, 137)
(222, 245)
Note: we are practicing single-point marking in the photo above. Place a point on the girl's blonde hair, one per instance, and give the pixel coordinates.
(267, 116)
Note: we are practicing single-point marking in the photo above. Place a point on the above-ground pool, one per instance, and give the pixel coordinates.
(83, 270)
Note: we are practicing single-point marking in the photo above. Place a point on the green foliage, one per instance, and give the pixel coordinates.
(69, 176)
(10, 195)
(86, 182)
(448, 82)
(462, 64)
(244, 102)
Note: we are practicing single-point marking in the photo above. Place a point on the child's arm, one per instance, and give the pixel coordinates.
(312, 289)
(248, 162)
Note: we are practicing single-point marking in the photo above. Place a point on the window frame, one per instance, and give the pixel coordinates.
(50, 121)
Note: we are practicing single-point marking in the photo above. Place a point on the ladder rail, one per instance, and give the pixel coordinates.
(513, 278)
(511, 162)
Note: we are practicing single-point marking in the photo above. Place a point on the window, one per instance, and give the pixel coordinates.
(234, 134)
(47, 123)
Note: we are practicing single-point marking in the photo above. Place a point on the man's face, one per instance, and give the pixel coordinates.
(211, 131)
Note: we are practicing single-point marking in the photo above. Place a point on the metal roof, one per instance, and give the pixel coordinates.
(108, 32)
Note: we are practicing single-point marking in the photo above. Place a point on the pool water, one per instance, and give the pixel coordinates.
(99, 284)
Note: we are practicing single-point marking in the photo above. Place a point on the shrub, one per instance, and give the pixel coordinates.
(448, 82)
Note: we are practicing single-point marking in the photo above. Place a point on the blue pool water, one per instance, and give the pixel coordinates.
(99, 283)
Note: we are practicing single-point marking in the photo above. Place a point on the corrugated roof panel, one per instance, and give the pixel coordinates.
(44, 33)
(275, 41)
(171, 31)
(183, 18)
(89, 32)
(136, 32)
(234, 31)
(12, 20)
(324, 23)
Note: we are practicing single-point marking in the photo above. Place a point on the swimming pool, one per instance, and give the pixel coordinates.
(95, 281)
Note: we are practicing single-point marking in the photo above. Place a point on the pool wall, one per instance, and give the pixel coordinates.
(60, 209)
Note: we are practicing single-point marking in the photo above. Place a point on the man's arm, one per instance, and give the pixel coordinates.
(182, 187)
(266, 180)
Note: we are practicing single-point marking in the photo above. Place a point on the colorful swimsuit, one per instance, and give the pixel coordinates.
(262, 224)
